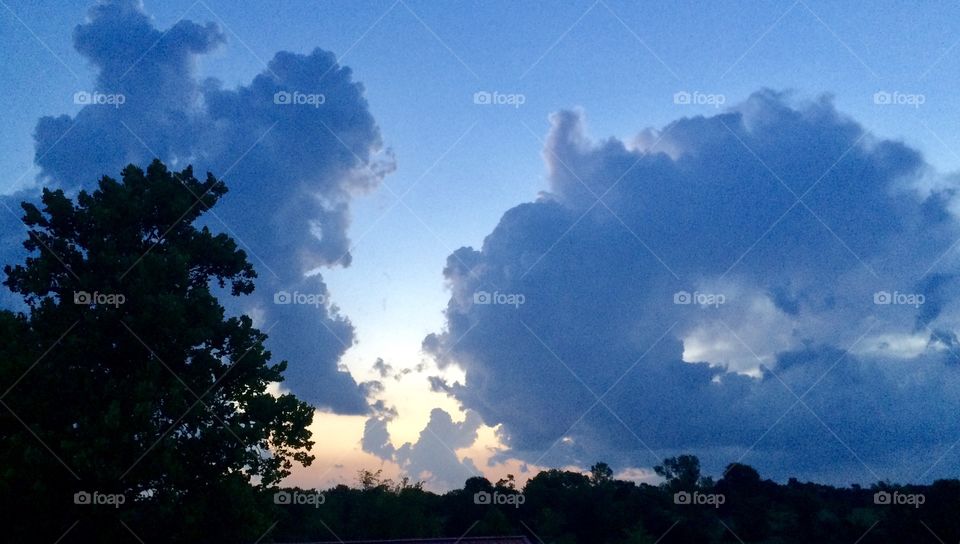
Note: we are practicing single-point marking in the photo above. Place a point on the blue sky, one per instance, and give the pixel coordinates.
(460, 165)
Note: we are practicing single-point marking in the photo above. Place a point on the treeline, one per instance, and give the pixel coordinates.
(562, 507)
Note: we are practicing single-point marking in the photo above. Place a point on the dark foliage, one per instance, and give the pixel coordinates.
(125, 382)
(561, 507)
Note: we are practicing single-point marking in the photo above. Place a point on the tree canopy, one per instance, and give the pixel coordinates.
(124, 377)
(561, 506)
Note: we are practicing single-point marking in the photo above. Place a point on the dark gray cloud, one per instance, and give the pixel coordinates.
(371, 388)
(376, 438)
(678, 277)
(382, 368)
(294, 146)
(438, 384)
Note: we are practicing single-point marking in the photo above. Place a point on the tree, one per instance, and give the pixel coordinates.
(508, 483)
(740, 478)
(748, 502)
(680, 473)
(600, 473)
(124, 377)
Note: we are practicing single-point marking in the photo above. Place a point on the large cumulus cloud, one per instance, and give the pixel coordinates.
(785, 222)
(292, 168)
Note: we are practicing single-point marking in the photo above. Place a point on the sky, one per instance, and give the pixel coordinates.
(588, 168)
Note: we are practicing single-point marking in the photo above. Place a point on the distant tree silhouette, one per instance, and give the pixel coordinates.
(568, 507)
(680, 473)
(746, 501)
(600, 473)
(125, 377)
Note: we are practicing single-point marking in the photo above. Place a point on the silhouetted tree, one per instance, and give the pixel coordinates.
(567, 507)
(125, 377)
(600, 473)
(680, 473)
(746, 501)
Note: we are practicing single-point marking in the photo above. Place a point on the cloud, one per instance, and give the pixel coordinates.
(372, 387)
(438, 384)
(382, 368)
(432, 459)
(376, 438)
(294, 146)
(698, 280)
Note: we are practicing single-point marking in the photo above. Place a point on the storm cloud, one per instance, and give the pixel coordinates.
(769, 284)
(294, 146)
